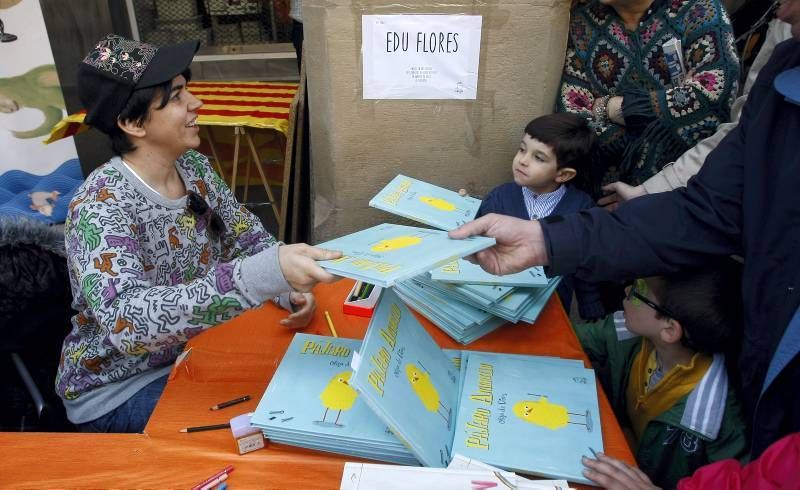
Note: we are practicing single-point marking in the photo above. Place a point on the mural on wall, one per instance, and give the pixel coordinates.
(36, 180)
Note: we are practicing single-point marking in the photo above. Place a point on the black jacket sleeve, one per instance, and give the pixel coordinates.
(658, 233)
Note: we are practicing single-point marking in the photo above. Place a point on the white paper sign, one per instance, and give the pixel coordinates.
(420, 56)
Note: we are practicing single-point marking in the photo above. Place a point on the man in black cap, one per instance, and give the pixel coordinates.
(159, 248)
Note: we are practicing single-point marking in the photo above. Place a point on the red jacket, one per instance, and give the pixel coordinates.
(777, 468)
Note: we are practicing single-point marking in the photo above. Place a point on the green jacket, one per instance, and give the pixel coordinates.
(704, 426)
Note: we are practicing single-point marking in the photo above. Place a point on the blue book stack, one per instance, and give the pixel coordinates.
(521, 413)
(310, 403)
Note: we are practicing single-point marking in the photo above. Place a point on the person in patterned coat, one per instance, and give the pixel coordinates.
(159, 249)
(647, 107)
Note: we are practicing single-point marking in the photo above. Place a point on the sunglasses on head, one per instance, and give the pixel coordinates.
(200, 209)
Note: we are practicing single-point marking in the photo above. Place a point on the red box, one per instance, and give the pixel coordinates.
(361, 307)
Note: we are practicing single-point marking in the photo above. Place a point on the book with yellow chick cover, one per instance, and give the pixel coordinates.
(387, 253)
(309, 403)
(521, 413)
(426, 203)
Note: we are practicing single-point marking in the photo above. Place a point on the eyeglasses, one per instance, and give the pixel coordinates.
(200, 209)
(636, 295)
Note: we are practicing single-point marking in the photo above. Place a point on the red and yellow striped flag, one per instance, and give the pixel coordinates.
(251, 104)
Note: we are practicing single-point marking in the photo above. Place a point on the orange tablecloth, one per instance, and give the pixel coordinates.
(251, 104)
(229, 361)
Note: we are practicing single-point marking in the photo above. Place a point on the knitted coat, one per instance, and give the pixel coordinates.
(662, 120)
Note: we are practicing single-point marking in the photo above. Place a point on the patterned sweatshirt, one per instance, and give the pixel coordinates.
(662, 120)
(146, 277)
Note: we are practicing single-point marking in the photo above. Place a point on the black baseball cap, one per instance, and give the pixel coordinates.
(117, 66)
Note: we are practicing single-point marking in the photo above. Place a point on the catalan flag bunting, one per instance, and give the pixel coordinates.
(252, 104)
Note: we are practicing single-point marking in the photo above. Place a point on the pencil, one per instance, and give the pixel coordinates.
(228, 403)
(367, 291)
(330, 324)
(224, 471)
(202, 428)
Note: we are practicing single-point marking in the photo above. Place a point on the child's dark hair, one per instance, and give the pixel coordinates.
(137, 110)
(707, 303)
(569, 135)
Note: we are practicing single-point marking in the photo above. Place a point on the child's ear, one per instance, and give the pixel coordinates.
(672, 332)
(565, 174)
(131, 127)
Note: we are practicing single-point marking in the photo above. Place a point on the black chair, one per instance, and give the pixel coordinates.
(35, 314)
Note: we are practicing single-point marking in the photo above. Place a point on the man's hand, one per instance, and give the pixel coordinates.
(613, 474)
(305, 305)
(520, 243)
(619, 192)
(299, 266)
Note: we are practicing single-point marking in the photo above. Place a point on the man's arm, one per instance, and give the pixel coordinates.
(658, 233)
(652, 235)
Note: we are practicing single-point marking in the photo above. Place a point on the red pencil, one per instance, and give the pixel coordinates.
(226, 470)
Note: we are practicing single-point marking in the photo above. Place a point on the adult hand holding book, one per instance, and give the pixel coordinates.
(520, 243)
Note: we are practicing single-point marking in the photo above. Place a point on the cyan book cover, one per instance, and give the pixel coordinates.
(426, 203)
(408, 381)
(309, 402)
(527, 415)
(387, 253)
(461, 271)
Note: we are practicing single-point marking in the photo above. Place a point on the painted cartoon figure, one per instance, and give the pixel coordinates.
(549, 415)
(39, 89)
(43, 201)
(6, 37)
(428, 394)
(395, 243)
(338, 395)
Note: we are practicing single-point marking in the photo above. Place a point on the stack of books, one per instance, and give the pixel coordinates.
(427, 269)
(403, 399)
(310, 403)
(467, 315)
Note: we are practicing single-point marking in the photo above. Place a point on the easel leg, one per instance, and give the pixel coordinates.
(275, 208)
(247, 181)
(236, 130)
(213, 146)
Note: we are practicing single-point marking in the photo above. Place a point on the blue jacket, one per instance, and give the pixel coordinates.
(507, 199)
(745, 200)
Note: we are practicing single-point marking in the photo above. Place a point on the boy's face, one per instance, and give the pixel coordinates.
(640, 318)
(535, 166)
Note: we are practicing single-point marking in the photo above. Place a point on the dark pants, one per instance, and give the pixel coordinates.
(132, 415)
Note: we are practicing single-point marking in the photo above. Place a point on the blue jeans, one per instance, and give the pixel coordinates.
(132, 415)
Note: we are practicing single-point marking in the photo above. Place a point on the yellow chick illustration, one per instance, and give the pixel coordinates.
(542, 412)
(427, 393)
(338, 395)
(396, 242)
(438, 203)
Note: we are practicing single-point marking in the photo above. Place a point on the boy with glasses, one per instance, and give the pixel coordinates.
(665, 360)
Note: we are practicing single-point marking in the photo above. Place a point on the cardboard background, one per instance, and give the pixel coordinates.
(360, 145)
